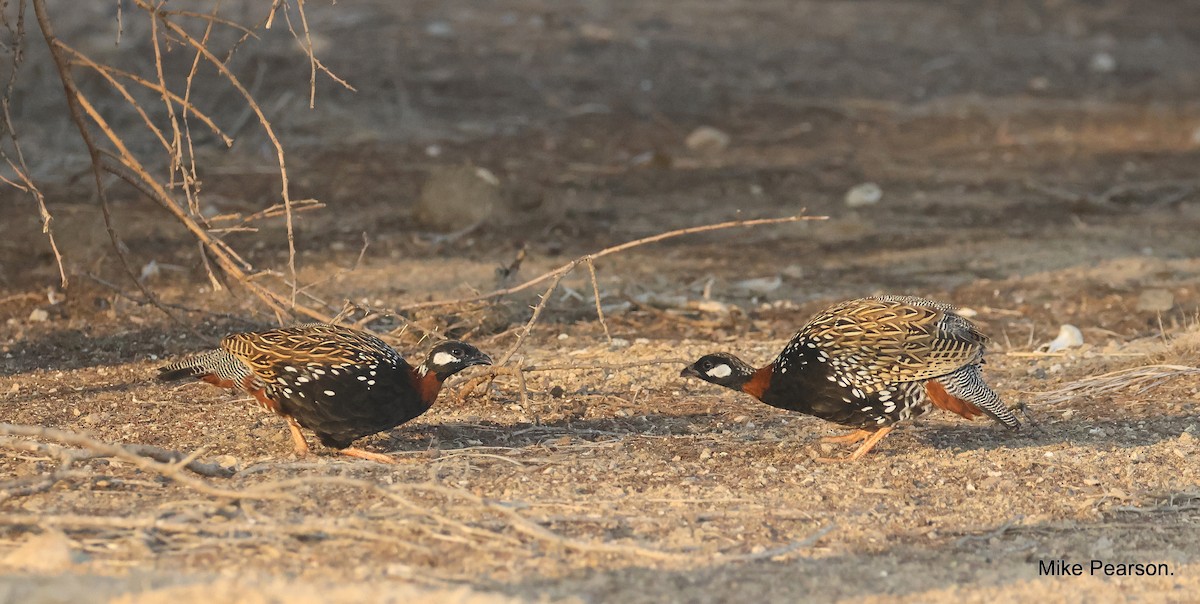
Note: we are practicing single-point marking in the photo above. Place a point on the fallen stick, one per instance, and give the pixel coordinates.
(171, 471)
(568, 267)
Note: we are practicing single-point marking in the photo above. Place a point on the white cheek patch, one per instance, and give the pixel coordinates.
(442, 359)
(720, 371)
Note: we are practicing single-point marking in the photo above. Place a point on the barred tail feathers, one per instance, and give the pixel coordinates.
(215, 366)
(967, 385)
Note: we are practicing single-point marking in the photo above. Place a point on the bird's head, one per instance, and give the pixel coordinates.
(722, 369)
(451, 357)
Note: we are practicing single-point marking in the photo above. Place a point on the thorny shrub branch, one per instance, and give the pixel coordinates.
(110, 154)
(19, 167)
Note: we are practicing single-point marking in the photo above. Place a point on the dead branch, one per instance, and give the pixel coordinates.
(19, 166)
(606, 366)
(291, 528)
(262, 119)
(77, 104)
(176, 140)
(596, 293)
(568, 267)
(172, 471)
(314, 63)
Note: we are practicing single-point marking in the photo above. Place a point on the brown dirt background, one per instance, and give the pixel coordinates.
(1022, 178)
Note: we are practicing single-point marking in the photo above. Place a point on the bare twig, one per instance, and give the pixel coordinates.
(262, 119)
(556, 276)
(129, 168)
(291, 528)
(535, 530)
(78, 104)
(537, 312)
(171, 471)
(314, 63)
(568, 267)
(19, 167)
(596, 292)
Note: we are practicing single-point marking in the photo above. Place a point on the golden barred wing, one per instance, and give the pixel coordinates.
(316, 344)
(894, 339)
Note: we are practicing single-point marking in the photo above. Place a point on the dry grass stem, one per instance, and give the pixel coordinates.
(172, 471)
(1144, 377)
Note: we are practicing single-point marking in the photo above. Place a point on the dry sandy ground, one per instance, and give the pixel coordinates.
(1023, 175)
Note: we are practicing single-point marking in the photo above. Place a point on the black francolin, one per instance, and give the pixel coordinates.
(868, 364)
(341, 383)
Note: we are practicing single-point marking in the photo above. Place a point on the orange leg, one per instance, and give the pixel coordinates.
(297, 437)
(862, 450)
(361, 454)
(849, 437)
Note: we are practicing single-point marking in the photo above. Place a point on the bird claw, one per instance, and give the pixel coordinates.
(849, 437)
(1024, 409)
(361, 454)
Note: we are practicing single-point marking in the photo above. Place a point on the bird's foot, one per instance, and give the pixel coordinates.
(872, 438)
(361, 454)
(297, 438)
(850, 437)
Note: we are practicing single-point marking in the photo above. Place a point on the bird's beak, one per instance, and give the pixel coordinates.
(482, 359)
(689, 371)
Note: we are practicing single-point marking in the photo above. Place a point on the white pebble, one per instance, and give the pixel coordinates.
(1102, 62)
(1069, 336)
(707, 139)
(865, 194)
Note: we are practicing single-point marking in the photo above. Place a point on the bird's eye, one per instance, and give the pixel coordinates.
(458, 352)
(706, 365)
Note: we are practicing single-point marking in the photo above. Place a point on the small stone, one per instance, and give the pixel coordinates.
(597, 33)
(619, 343)
(707, 139)
(455, 198)
(1102, 62)
(1155, 300)
(226, 461)
(96, 418)
(49, 551)
(439, 29)
(39, 316)
(150, 270)
(862, 195)
(760, 285)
